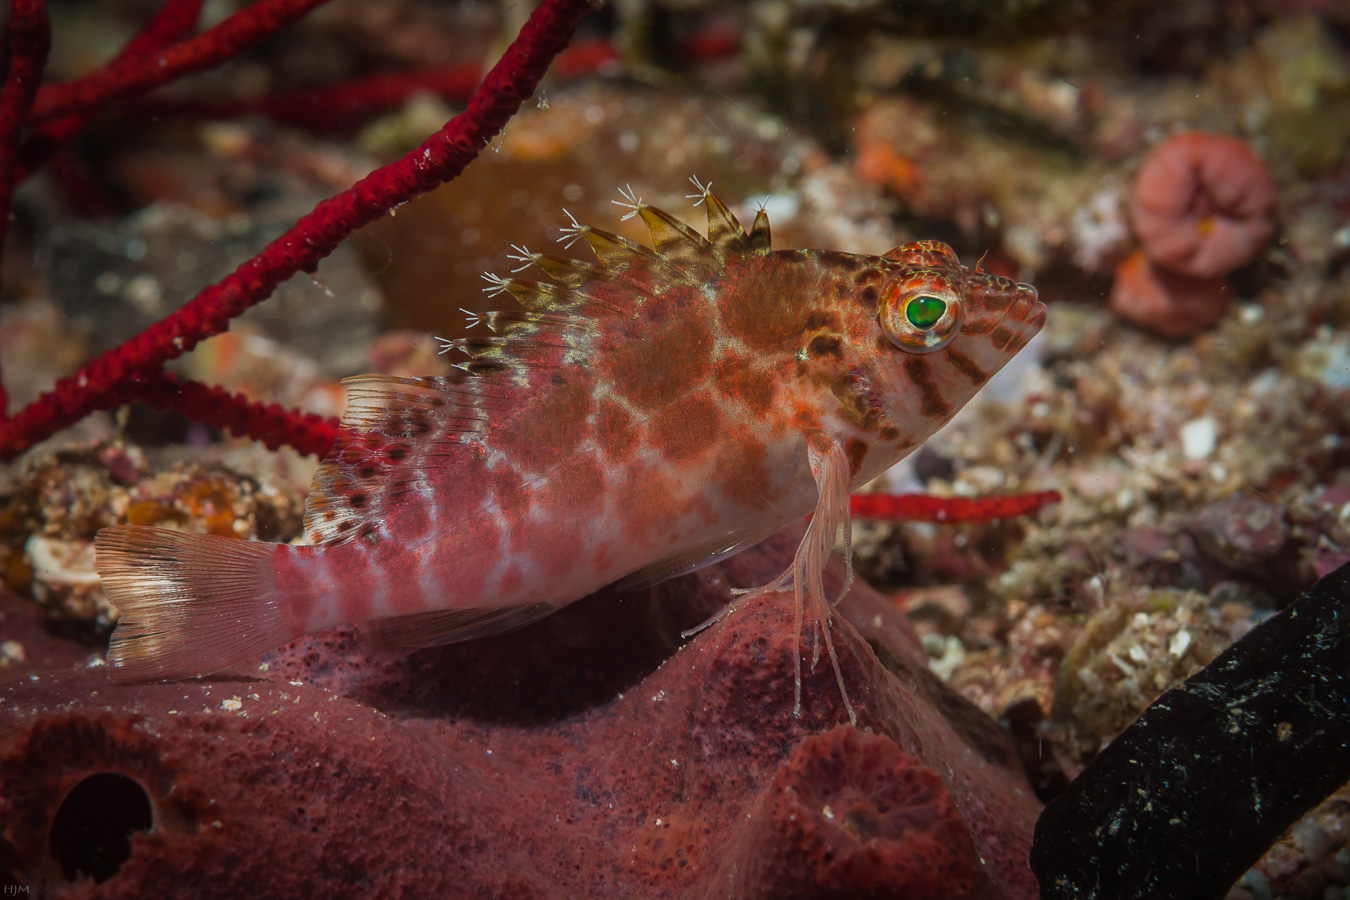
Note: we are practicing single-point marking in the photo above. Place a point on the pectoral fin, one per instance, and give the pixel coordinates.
(449, 626)
(724, 547)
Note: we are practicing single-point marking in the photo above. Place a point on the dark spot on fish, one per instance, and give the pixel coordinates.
(868, 296)
(685, 429)
(919, 373)
(485, 367)
(859, 402)
(356, 501)
(345, 526)
(822, 320)
(856, 451)
(848, 263)
(1001, 336)
(966, 366)
(826, 345)
(683, 345)
(366, 472)
(397, 454)
(889, 433)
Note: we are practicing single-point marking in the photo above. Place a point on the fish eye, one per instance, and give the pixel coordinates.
(924, 310)
(920, 314)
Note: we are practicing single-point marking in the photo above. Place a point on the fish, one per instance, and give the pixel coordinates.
(636, 418)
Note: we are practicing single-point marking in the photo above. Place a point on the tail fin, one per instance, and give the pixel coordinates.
(189, 604)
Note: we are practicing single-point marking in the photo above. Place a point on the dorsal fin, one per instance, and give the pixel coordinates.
(615, 252)
(670, 236)
(575, 273)
(724, 229)
(522, 340)
(542, 351)
(677, 243)
(517, 323)
(761, 239)
(542, 297)
(682, 255)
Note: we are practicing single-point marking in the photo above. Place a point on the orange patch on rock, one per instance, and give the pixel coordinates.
(686, 428)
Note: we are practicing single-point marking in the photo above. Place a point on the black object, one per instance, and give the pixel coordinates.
(91, 833)
(1188, 797)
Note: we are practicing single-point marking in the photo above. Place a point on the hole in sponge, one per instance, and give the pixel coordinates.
(91, 833)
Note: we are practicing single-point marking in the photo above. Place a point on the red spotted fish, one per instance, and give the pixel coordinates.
(641, 416)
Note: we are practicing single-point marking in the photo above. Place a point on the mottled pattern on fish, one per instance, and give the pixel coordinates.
(641, 416)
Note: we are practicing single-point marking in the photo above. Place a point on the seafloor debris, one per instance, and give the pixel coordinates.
(54, 504)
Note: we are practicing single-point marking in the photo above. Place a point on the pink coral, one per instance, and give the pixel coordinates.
(1175, 306)
(1202, 204)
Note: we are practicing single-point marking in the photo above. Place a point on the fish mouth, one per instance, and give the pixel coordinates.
(1020, 321)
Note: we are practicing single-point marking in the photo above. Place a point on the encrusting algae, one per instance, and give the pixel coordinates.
(641, 417)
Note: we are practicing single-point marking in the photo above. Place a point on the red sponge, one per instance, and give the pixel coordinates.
(1175, 306)
(1202, 204)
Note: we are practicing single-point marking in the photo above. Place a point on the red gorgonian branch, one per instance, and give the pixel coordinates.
(172, 23)
(268, 423)
(927, 508)
(344, 106)
(30, 36)
(439, 159)
(137, 73)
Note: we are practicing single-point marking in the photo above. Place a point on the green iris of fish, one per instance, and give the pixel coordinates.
(923, 312)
